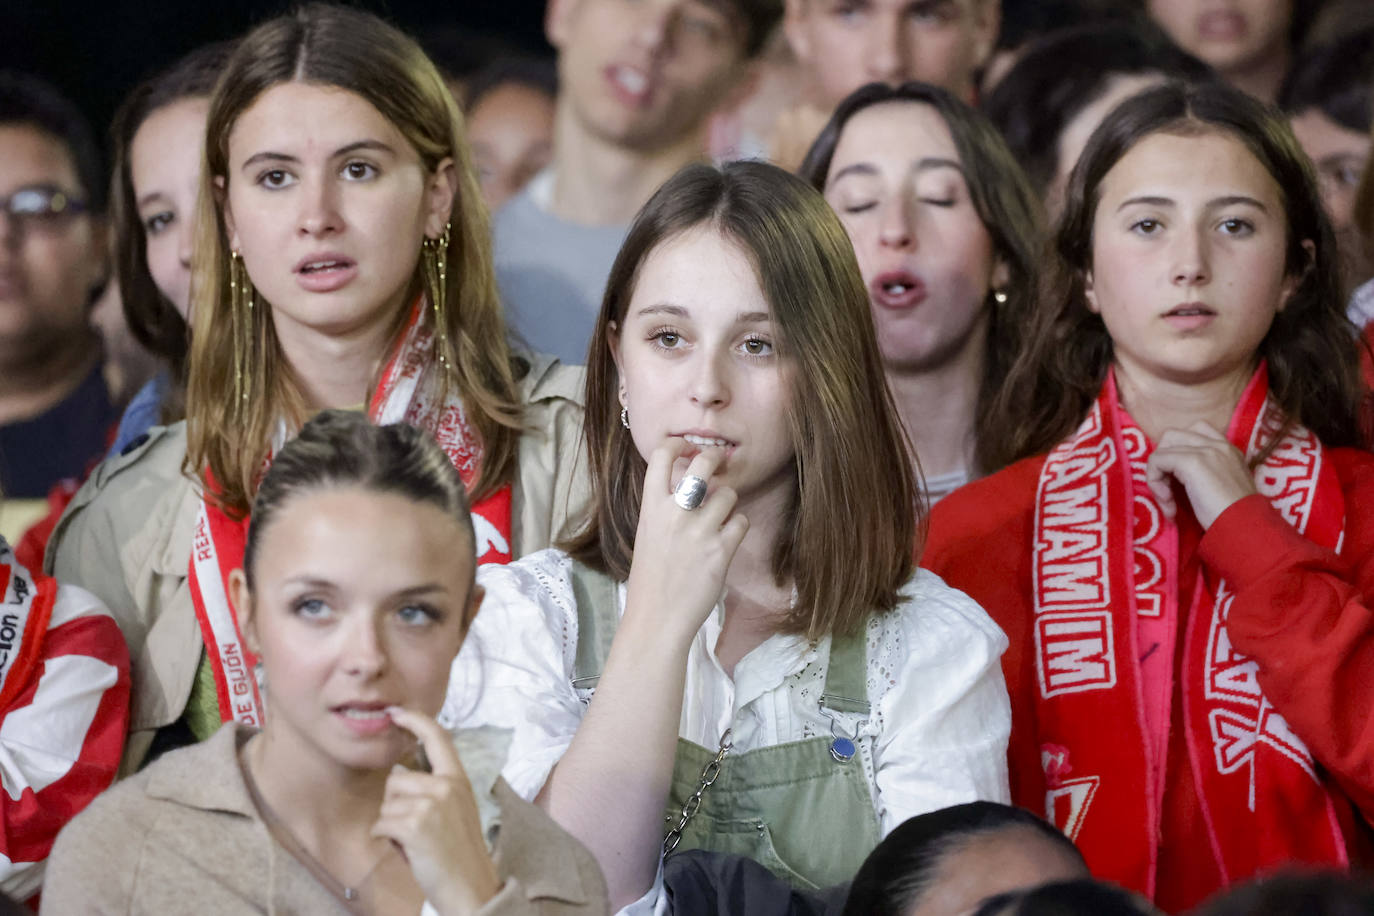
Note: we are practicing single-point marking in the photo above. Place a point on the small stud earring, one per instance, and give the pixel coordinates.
(1000, 295)
(625, 417)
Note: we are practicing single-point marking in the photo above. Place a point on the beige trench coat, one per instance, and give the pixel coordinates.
(126, 537)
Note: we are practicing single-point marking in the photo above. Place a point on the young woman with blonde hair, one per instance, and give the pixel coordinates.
(341, 261)
(738, 637)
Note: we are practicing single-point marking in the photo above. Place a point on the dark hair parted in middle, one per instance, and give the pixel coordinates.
(1004, 200)
(901, 869)
(343, 448)
(1310, 348)
(847, 538)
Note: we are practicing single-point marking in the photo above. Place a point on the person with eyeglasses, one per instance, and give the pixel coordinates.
(55, 409)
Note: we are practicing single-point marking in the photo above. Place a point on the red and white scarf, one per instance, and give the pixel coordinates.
(407, 393)
(1106, 561)
(24, 617)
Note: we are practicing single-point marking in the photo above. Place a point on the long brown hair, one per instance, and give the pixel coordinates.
(353, 50)
(1310, 348)
(154, 321)
(1006, 204)
(849, 532)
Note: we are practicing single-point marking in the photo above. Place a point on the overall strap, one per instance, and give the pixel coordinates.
(598, 614)
(846, 678)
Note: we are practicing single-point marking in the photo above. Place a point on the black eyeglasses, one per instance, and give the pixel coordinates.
(41, 206)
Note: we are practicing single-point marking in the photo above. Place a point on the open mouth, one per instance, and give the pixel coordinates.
(1222, 25)
(314, 267)
(631, 83)
(898, 289)
(707, 441)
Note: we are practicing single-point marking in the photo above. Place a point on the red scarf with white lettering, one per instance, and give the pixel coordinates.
(24, 615)
(407, 393)
(1106, 556)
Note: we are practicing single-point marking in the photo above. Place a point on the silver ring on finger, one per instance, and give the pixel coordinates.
(690, 492)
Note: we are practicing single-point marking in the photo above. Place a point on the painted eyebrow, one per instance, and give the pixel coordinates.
(678, 311)
(270, 156)
(1231, 200)
(922, 165)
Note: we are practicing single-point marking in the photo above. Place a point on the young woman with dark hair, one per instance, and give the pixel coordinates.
(737, 638)
(353, 596)
(158, 134)
(1250, 44)
(1329, 100)
(947, 861)
(1185, 551)
(947, 232)
(1054, 97)
(342, 260)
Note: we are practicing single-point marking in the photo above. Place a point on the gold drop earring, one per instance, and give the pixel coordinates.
(434, 254)
(241, 296)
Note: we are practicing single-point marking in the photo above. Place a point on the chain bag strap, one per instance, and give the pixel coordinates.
(689, 809)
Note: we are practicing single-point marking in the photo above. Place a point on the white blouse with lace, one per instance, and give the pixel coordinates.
(937, 734)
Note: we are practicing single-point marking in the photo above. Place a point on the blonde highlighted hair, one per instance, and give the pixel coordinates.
(229, 436)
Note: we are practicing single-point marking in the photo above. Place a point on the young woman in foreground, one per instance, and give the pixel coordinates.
(740, 624)
(1184, 557)
(341, 261)
(352, 594)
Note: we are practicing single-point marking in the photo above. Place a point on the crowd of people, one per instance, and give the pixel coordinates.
(896, 457)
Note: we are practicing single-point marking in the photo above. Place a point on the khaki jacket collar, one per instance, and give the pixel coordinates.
(208, 777)
(170, 531)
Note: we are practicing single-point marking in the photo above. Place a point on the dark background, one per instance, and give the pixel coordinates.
(96, 51)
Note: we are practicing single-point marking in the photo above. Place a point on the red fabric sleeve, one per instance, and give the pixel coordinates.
(29, 550)
(1303, 614)
(980, 543)
(62, 736)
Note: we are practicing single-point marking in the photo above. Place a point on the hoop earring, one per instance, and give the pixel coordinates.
(434, 254)
(241, 296)
(625, 417)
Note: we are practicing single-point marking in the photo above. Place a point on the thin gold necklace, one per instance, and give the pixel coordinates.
(347, 894)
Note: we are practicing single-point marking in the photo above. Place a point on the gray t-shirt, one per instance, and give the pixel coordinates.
(552, 273)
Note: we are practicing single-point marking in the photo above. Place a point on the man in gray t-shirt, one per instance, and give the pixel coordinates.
(637, 85)
(552, 272)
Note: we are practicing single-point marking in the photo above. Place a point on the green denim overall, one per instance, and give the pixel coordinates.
(801, 809)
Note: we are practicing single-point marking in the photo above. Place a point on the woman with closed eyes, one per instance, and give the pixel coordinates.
(946, 229)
